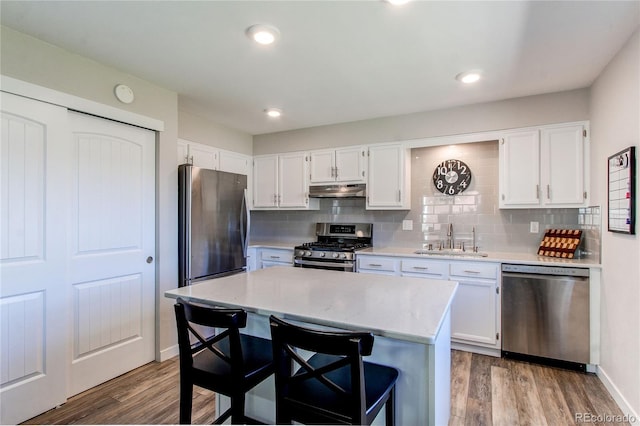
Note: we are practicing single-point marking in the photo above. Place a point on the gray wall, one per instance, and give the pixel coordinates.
(521, 112)
(615, 125)
(196, 128)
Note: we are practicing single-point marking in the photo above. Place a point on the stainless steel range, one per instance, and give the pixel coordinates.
(335, 247)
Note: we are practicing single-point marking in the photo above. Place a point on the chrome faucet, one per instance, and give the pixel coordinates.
(450, 236)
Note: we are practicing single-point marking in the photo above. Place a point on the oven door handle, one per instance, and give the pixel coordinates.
(328, 264)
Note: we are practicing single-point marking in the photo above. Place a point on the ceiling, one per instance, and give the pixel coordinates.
(336, 61)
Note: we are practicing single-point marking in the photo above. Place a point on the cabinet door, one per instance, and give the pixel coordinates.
(386, 184)
(265, 181)
(234, 162)
(204, 156)
(293, 187)
(322, 166)
(350, 164)
(473, 311)
(562, 166)
(520, 170)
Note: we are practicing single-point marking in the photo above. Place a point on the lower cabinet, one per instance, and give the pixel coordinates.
(259, 258)
(475, 311)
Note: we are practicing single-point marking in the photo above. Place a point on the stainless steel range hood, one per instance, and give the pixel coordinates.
(338, 191)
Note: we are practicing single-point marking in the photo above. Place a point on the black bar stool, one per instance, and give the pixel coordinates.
(334, 386)
(229, 363)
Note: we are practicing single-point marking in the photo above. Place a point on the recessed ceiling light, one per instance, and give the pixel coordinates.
(469, 76)
(263, 34)
(273, 112)
(397, 2)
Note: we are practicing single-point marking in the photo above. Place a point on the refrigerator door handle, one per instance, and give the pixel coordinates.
(244, 230)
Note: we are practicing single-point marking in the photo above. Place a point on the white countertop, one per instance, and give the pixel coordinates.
(404, 308)
(499, 257)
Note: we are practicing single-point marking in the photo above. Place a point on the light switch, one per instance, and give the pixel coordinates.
(534, 227)
(407, 225)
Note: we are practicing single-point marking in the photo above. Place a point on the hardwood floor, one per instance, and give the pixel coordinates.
(484, 391)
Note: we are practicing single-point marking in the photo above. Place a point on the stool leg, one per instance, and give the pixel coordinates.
(390, 408)
(237, 409)
(186, 396)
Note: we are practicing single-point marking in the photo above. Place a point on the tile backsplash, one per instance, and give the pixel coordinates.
(432, 212)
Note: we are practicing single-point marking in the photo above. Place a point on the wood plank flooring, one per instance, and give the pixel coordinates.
(484, 391)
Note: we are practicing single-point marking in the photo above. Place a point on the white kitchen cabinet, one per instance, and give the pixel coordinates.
(345, 165)
(275, 257)
(475, 310)
(234, 162)
(281, 182)
(544, 167)
(389, 182)
(424, 268)
(377, 265)
(209, 157)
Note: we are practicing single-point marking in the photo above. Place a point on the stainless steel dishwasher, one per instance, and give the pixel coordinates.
(545, 314)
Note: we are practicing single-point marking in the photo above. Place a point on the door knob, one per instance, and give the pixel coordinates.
(149, 259)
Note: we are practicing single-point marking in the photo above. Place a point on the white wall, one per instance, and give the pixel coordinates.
(28, 59)
(615, 125)
(512, 113)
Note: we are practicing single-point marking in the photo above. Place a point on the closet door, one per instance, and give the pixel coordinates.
(34, 296)
(111, 250)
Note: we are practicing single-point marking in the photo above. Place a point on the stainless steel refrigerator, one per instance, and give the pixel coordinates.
(213, 221)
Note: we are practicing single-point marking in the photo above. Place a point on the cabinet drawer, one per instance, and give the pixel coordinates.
(474, 270)
(285, 256)
(377, 263)
(426, 267)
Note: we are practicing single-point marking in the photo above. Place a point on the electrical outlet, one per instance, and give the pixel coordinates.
(534, 227)
(407, 225)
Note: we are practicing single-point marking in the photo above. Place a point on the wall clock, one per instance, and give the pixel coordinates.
(451, 177)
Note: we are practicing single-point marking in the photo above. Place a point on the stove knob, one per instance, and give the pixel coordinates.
(307, 253)
(344, 255)
(321, 254)
(335, 255)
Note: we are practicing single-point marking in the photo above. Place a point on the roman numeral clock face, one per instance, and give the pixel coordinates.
(451, 177)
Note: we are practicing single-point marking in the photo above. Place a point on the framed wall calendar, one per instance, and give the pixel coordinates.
(622, 191)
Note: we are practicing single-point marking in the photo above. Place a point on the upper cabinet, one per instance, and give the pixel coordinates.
(281, 182)
(389, 182)
(345, 165)
(545, 167)
(209, 157)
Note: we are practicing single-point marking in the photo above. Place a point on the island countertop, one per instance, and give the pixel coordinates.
(410, 309)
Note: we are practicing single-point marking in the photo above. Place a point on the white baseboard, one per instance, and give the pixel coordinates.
(169, 353)
(632, 416)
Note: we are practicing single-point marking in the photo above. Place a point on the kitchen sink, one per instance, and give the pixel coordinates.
(451, 252)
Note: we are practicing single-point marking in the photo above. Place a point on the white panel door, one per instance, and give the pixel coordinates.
(111, 250)
(34, 298)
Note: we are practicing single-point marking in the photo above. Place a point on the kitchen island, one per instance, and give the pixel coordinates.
(409, 317)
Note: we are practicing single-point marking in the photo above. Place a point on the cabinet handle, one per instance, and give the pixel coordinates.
(336, 173)
(422, 268)
(375, 264)
(470, 272)
(274, 257)
(537, 192)
(399, 195)
(549, 192)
